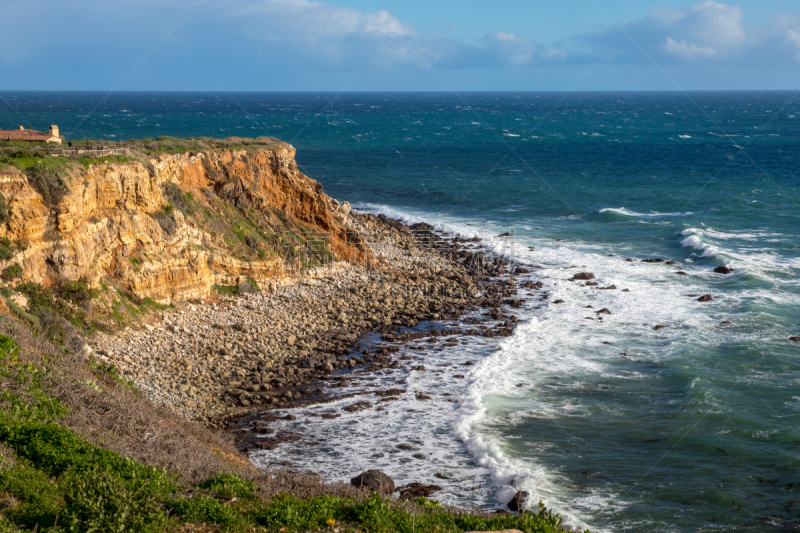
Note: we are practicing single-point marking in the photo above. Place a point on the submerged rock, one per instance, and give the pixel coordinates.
(723, 270)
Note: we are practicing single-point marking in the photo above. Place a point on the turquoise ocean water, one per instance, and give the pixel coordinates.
(697, 426)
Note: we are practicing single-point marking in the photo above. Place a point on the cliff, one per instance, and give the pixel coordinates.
(170, 227)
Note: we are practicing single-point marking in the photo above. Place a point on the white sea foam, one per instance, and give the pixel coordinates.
(623, 211)
(555, 352)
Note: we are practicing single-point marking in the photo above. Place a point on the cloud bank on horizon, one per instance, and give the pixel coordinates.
(314, 45)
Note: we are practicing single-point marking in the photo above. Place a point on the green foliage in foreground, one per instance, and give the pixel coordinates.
(55, 481)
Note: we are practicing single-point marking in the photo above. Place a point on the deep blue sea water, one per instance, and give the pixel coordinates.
(697, 426)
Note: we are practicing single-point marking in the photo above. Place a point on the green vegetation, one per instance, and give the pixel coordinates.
(53, 479)
(227, 290)
(11, 272)
(4, 214)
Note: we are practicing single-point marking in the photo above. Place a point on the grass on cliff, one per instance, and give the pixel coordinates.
(80, 452)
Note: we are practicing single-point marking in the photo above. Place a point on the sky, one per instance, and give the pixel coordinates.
(394, 45)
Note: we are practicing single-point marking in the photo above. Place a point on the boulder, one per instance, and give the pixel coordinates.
(517, 503)
(795, 339)
(375, 481)
(604, 311)
(705, 298)
(417, 490)
(583, 276)
(723, 270)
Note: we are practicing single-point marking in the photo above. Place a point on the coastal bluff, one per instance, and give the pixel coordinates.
(170, 226)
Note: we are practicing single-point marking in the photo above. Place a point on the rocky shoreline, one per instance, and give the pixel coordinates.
(220, 360)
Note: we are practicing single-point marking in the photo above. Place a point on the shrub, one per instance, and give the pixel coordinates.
(4, 214)
(6, 253)
(48, 183)
(204, 509)
(228, 486)
(166, 219)
(96, 501)
(11, 272)
(77, 291)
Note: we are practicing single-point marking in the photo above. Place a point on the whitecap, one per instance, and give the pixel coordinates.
(623, 211)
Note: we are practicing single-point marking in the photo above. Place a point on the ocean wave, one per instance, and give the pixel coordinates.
(627, 213)
(694, 241)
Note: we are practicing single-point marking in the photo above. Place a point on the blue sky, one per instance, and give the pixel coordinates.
(334, 45)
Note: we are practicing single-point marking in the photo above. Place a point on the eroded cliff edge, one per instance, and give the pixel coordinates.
(170, 227)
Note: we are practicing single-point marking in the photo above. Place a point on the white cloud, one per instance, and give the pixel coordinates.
(341, 37)
(688, 50)
(704, 30)
(517, 51)
(322, 20)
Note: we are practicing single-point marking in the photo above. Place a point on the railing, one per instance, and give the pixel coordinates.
(93, 153)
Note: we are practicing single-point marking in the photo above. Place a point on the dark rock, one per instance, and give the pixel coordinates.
(505, 235)
(722, 269)
(583, 276)
(417, 490)
(558, 302)
(604, 311)
(441, 476)
(520, 270)
(705, 298)
(246, 288)
(517, 503)
(374, 481)
(795, 339)
(681, 273)
(652, 260)
(658, 327)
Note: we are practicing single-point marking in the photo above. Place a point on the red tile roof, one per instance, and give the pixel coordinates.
(25, 135)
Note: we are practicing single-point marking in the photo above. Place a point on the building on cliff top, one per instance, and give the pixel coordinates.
(21, 134)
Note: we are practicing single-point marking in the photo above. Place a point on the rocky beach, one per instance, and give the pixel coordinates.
(293, 342)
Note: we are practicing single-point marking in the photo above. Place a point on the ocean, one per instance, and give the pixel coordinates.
(615, 424)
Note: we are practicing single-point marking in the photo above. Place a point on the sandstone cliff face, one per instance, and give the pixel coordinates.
(240, 215)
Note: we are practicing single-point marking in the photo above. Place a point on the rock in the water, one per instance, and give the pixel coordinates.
(604, 311)
(517, 503)
(417, 490)
(795, 339)
(374, 481)
(705, 298)
(583, 276)
(723, 270)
